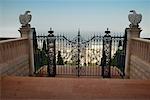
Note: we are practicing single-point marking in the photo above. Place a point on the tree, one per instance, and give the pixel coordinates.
(59, 59)
(118, 59)
(44, 46)
(43, 54)
(103, 59)
(35, 44)
(44, 58)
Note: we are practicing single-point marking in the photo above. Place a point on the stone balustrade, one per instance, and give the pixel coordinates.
(140, 59)
(141, 49)
(14, 57)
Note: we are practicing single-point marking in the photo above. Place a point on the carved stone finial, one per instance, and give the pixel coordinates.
(134, 18)
(25, 18)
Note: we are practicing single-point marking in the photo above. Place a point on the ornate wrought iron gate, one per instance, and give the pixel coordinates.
(97, 56)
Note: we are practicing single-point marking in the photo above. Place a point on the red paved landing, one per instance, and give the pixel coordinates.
(35, 88)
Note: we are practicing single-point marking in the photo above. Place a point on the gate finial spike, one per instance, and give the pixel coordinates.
(78, 31)
(107, 31)
(51, 31)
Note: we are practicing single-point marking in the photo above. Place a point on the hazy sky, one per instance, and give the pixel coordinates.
(69, 15)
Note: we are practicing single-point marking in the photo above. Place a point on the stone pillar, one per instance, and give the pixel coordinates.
(27, 31)
(132, 32)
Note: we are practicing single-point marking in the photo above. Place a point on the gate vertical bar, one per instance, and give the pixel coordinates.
(51, 54)
(78, 54)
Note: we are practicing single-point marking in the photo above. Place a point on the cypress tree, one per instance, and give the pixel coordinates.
(44, 46)
(59, 59)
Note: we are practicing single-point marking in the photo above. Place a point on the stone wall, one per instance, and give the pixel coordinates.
(14, 57)
(140, 59)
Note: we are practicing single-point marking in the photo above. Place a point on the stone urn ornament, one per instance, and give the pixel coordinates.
(25, 18)
(134, 18)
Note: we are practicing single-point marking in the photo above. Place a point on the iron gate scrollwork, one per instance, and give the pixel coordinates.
(106, 64)
(51, 69)
(97, 56)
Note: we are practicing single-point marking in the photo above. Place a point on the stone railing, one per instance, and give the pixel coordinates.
(14, 57)
(141, 49)
(140, 58)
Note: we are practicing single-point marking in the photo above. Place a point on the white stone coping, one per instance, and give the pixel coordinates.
(13, 40)
(142, 40)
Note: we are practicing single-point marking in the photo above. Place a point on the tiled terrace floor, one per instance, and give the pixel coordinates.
(45, 88)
